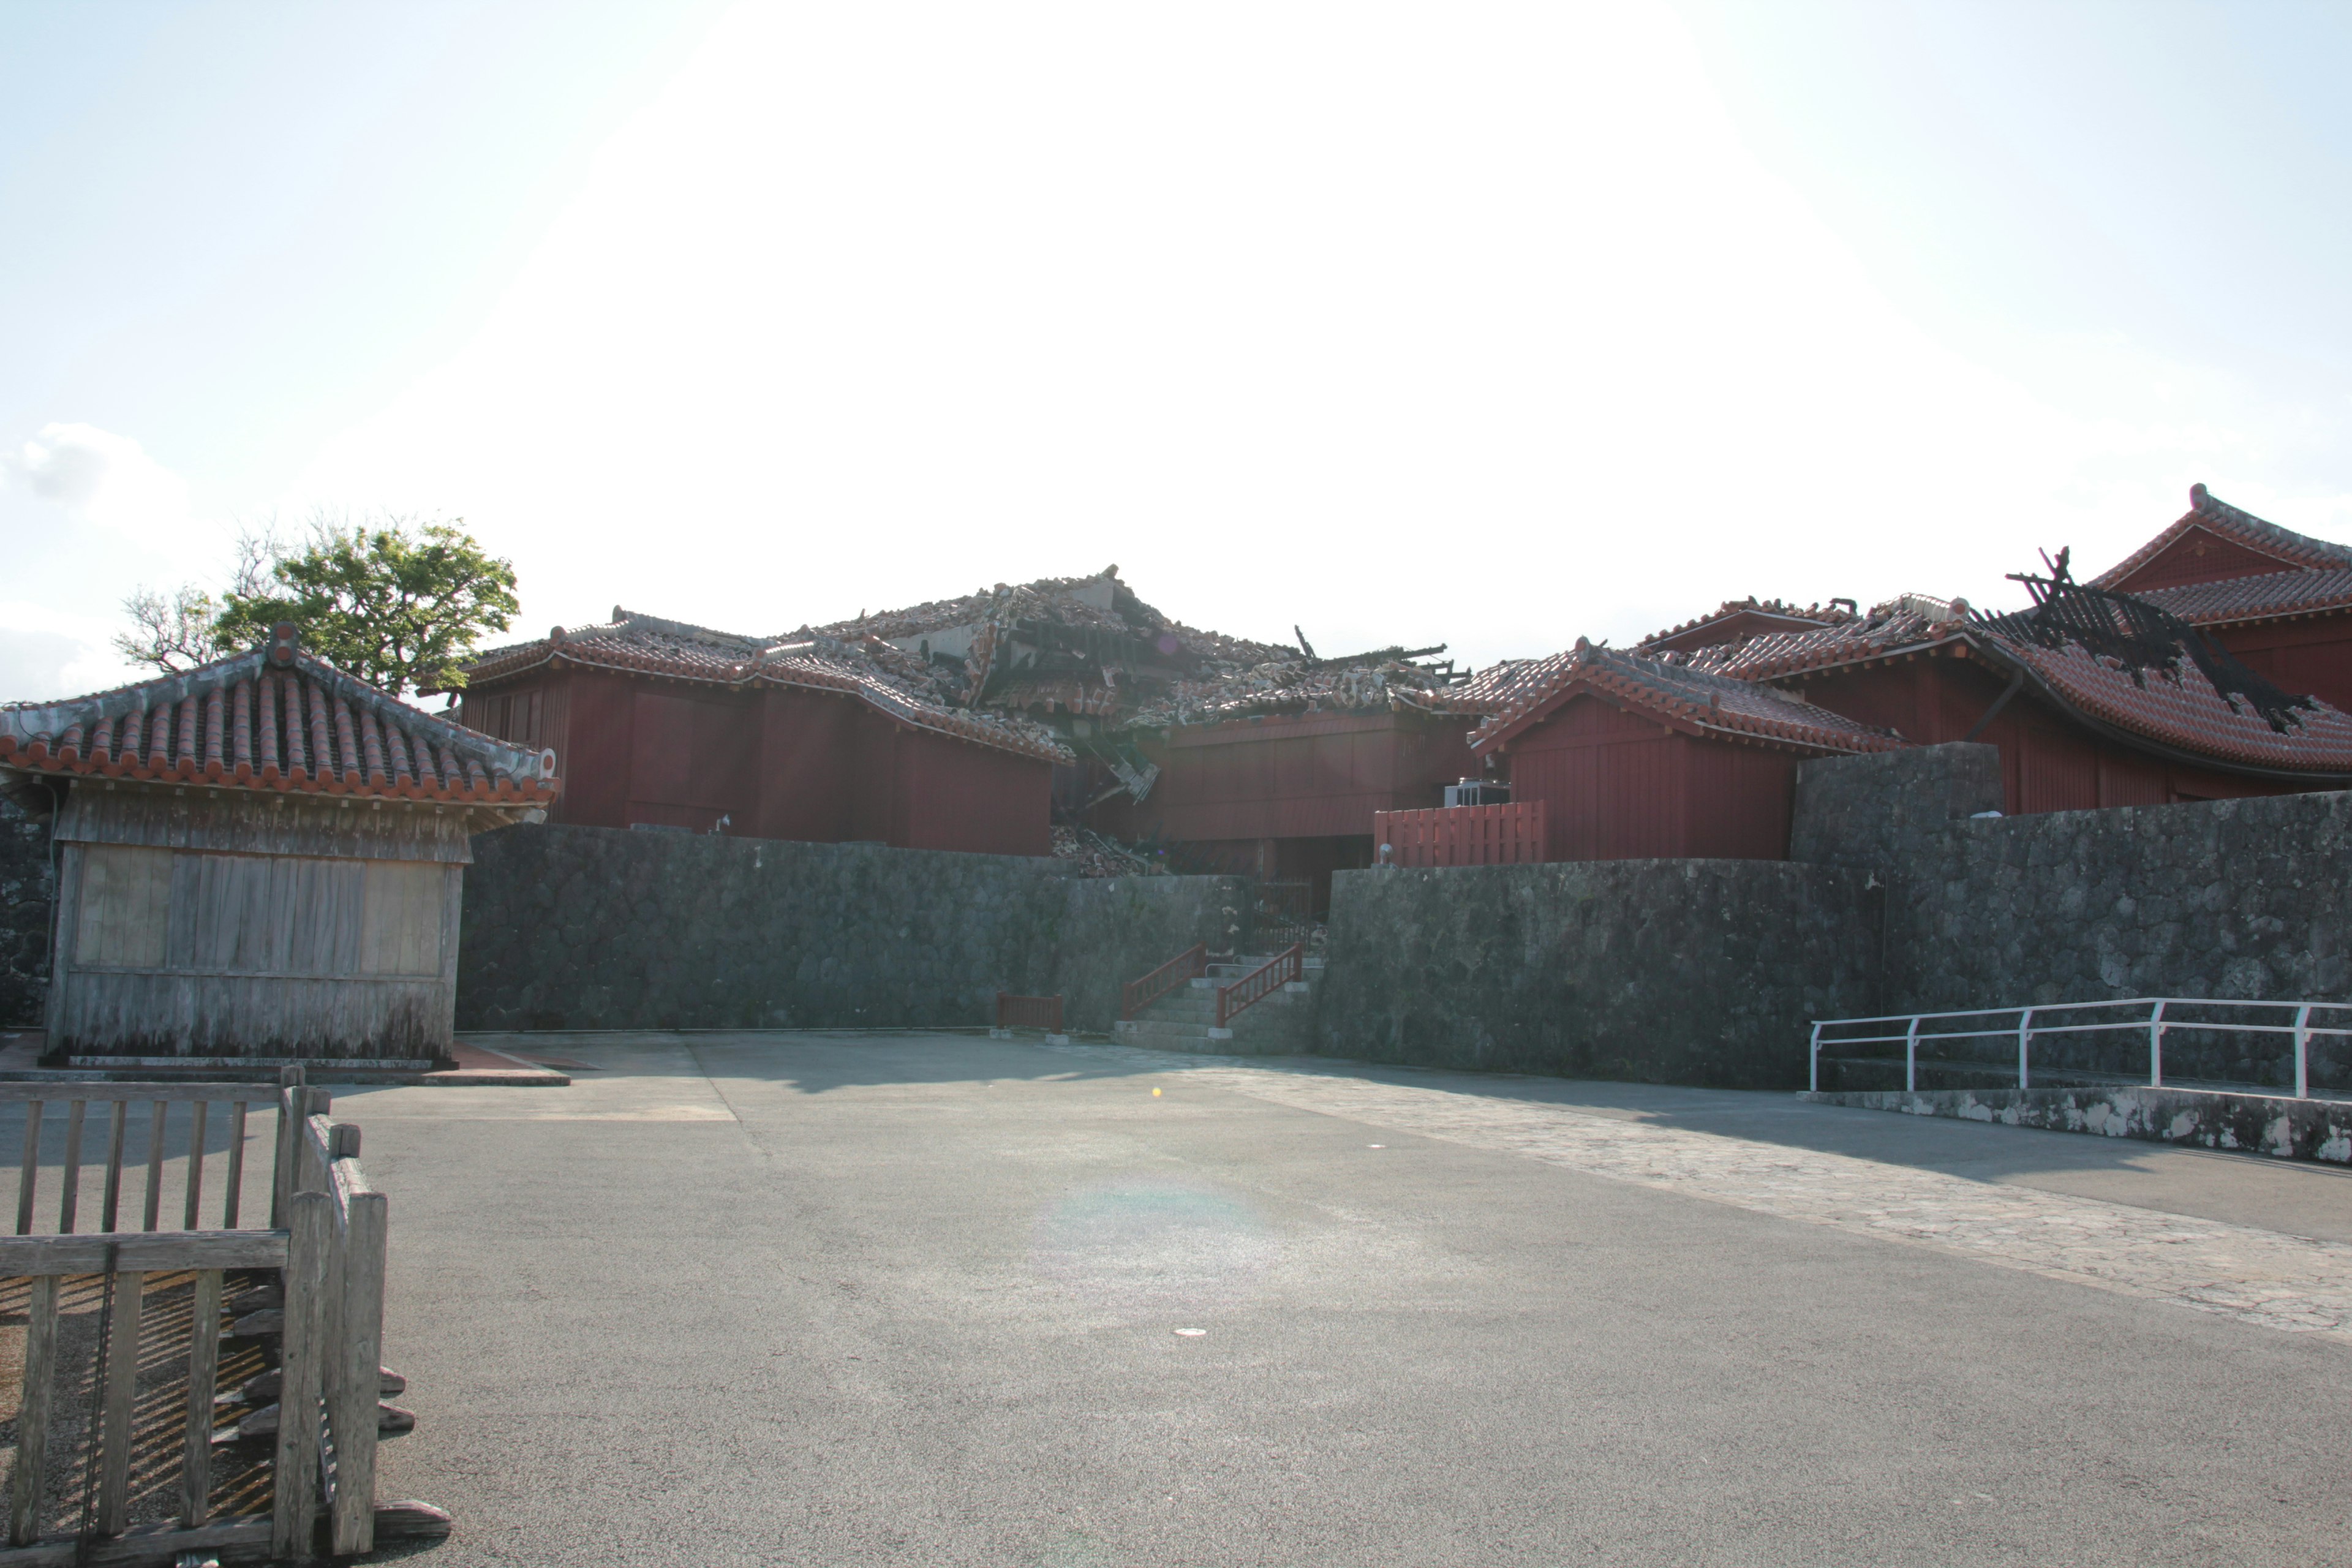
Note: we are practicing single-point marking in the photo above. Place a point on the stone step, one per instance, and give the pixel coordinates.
(1153, 1031)
(1203, 1007)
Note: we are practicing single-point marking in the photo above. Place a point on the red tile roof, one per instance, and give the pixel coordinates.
(2189, 718)
(888, 678)
(1518, 696)
(2243, 529)
(1745, 616)
(2273, 595)
(273, 719)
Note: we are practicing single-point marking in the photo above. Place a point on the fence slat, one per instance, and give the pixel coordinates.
(70, 1199)
(113, 1205)
(294, 1510)
(203, 1368)
(155, 1164)
(33, 1413)
(236, 1167)
(31, 1170)
(358, 1374)
(195, 1163)
(122, 1386)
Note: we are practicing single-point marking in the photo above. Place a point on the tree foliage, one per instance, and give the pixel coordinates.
(173, 632)
(394, 600)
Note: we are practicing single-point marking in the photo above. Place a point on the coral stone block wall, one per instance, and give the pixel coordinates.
(1698, 971)
(591, 928)
(2246, 899)
(28, 891)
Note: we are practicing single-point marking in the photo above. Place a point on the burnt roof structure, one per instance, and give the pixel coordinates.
(996, 666)
(2189, 719)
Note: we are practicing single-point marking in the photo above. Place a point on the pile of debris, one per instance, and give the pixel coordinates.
(1096, 856)
(1383, 679)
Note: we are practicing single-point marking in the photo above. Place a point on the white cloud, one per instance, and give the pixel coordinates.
(105, 479)
(47, 653)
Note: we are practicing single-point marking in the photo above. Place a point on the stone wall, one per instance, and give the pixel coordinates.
(1879, 810)
(586, 928)
(27, 888)
(1699, 971)
(2246, 899)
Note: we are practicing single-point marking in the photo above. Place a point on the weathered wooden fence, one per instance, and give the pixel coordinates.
(320, 1264)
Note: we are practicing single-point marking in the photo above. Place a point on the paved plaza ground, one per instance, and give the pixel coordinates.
(931, 1299)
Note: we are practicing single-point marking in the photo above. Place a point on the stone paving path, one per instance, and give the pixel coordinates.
(2261, 1276)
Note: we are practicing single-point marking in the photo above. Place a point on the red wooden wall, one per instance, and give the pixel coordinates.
(1617, 786)
(779, 762)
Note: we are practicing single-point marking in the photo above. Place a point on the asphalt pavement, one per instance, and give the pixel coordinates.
(932, 1299)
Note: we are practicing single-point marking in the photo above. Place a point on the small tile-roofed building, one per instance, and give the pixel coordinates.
(1637, 755)
(259, 859)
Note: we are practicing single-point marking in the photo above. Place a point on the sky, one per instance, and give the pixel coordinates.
(1488, 326)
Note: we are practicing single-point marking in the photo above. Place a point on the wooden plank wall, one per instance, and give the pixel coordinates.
(181, 949)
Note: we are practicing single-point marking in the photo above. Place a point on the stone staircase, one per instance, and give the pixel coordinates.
(1184, 1020)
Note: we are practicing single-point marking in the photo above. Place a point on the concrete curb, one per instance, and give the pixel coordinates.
(2286, 1129)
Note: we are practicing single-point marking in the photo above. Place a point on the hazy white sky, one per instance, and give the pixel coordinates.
(1489, 325)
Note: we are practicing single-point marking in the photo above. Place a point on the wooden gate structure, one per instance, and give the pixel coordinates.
(315, 1278)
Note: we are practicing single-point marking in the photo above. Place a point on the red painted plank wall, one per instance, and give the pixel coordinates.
(1618, 786)
(1508, 835)
(952, 795)
(779, 762)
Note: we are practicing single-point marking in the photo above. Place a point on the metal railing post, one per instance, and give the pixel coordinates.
(1911, 1058)
(1813, 1069)
(2156, 1045)
(2024, 1040)
(2303, 1052)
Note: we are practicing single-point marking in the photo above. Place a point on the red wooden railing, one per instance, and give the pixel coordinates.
(1284, 967)
(1029, 1013)
(1509, 835)
(1137, 995)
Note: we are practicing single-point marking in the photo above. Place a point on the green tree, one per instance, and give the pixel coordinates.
(394, 600)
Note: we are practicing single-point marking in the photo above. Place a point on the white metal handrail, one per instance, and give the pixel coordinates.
(2025, 1030)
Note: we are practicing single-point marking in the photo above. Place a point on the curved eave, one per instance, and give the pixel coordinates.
(2123, 735)
(1687, 716)
(971, 732)
(2224, 621)
(67, 762)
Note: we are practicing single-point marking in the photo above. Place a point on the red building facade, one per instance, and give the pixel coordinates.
(673, 727)
(1635, 757)
(1688, 744)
